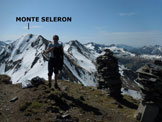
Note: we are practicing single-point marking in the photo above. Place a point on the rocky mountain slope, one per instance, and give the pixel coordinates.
(74, 103)
(79, 59)
(22, 60)
(130, 57)
(2, 45)
(98, 49)
(120, 50)
(149, 50)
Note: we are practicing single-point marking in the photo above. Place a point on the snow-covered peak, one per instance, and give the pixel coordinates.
(77, 44)
(81, 54)
(97, 49)
(22, 60)
(120, 51)
(2, 44)
(93, 44)
(8, 41)
(19, 57)
(78, 47)
(20, 45)
(149, 50)
(82, 58)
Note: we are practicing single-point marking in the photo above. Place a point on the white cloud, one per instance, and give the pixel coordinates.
(34, 27)
(127, 14)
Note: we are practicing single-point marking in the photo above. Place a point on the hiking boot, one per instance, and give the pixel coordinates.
(56, 86)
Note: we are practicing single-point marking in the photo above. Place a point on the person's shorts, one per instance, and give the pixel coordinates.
(53, 66)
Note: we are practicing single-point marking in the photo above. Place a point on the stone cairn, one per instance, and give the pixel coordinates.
(108, 74)
(150, 79)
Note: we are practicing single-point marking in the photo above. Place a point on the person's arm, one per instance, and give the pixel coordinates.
(49, 50)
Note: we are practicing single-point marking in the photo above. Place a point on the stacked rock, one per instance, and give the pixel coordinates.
(108, 73)
(150, 78)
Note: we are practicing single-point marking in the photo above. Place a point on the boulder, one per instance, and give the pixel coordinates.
(5, 79)
(34, 82)
(150, 78)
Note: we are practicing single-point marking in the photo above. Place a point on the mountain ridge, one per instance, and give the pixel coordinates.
(79, 60)
(15, 60)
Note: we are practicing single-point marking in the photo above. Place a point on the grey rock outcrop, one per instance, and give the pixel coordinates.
(108, 73)
(150, 78)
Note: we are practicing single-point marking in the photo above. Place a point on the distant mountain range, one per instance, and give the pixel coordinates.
(2, 45)
(99, 48)
(22, 59)
(149, 50)
(125, 50)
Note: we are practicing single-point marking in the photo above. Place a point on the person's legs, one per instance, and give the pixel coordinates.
(49, 81)
(56, 77)
(56, 80)
(50, 71)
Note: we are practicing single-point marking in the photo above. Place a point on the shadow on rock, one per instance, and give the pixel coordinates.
(80, 104)
(126, 103)
(59, 102)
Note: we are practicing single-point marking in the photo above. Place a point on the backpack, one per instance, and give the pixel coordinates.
(58, 56)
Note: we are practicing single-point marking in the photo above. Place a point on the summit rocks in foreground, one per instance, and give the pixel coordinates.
(150, 78)
(73, 103)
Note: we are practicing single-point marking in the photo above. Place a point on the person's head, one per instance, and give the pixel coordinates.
(55, 38)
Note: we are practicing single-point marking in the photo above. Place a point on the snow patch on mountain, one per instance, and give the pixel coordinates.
(97, 49)
(121, 69)
(8, 41)
(120, 51)
(22, 60)
(84, 60)
(145, 56)
(133, 93)
(80, 55)
(148, 50)
(2, 46)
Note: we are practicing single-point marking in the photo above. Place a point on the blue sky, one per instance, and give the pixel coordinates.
(131, 22)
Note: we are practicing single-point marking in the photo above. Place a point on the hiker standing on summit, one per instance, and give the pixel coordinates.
(55, 62)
